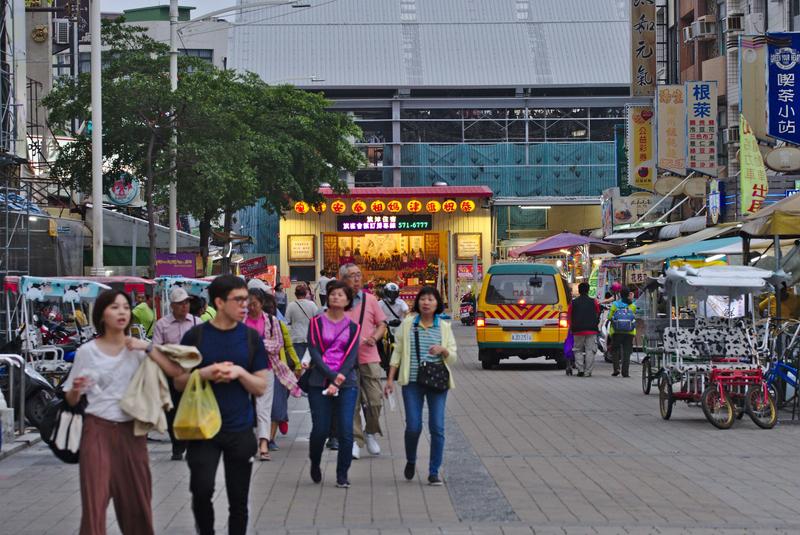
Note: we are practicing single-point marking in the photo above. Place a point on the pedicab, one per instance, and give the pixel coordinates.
(715, 362)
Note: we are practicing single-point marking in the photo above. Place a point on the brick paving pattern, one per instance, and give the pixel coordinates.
(529, 450)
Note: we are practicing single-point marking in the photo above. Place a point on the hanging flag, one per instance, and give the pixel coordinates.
(753, 184)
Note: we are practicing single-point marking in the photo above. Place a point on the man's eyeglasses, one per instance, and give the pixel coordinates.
(239, 299)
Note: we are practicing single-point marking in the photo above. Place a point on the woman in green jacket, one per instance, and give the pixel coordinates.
(423, 337)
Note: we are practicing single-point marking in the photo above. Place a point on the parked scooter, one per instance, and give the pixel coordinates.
(467, 309)
(39, 393)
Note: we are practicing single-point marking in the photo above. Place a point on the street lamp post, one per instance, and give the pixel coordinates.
(173, 82)
(97, 139)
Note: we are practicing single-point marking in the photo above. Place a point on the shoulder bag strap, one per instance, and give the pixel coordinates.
(363, 308)
(302, 310)
(391, 309)
(416, 343)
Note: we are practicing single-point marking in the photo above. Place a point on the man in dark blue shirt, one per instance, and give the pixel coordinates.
(235, 362)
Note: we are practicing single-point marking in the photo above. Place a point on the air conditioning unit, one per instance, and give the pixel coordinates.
(62, 28)
(730, 135)
(733, 23)
(687, 34)
(704, 30)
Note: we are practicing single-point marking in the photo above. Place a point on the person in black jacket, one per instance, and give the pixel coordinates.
(584, 318)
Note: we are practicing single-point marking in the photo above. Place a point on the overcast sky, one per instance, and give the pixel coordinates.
(203, 6)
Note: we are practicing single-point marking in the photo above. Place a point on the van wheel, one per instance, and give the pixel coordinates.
(487, 359)
(561, 362)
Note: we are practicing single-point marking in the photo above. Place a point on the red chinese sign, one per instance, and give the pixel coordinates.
(359, 207)
(394, 206)
(467, 206)
(319, 207)
(449, 206)
(377, 207)
(414, 206)
(433, 206)
(301, 207)
(338, 206)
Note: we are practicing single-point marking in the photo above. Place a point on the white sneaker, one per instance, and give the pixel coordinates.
(356, 451)
(372, 445)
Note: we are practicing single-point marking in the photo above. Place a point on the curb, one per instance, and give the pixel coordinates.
(20, 443)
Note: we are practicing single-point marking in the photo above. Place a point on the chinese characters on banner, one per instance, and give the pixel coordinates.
(671, 107)
(641, 161)
(643, 48)
(701, 127)
(753, 183)
(783, 74)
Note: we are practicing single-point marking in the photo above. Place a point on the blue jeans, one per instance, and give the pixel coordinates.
(323, 408)
(414, 395)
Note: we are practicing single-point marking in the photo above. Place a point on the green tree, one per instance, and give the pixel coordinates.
(238, 138)
(250, 140)
(137, 104)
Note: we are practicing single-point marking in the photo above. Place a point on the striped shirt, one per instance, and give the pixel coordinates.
(427, 337)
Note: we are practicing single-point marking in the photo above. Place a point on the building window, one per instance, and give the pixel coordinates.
(206, 54)
(794, 21)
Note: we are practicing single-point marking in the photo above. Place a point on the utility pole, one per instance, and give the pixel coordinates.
(97, 139)
(173, 81)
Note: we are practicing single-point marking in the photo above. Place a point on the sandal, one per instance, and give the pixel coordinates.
(264, 456)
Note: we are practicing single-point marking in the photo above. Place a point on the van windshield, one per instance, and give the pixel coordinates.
(510, 289)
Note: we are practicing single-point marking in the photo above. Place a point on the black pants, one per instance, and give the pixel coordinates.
(622, 347)
(178, 446)
(237, 450)
(323, 299)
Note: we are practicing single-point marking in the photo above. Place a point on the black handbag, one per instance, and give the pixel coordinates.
(62, 427)
(434, 375)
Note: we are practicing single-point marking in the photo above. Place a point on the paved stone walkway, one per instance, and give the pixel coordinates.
(529, 450)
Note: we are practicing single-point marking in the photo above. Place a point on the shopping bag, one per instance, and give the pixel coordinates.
(198, 416)
(569, 344)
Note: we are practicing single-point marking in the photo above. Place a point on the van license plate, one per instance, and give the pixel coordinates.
(521, 337)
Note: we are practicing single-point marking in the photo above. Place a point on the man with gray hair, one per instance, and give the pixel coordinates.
(367, 313)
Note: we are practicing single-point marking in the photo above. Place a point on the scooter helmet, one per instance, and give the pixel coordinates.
(391, 292)
(616, 288)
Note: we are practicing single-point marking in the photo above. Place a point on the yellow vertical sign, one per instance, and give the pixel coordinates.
(641, 160)
(671, 123)
(753, 185)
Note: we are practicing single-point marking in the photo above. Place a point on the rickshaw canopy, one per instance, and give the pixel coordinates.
(717, 280)
(66, 289)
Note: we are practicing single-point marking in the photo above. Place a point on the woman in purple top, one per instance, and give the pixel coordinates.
(333, 346)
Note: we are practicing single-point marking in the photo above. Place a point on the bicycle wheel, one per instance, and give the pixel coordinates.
(647, 369)
(762, 411)
(720, 413)
(665, 399)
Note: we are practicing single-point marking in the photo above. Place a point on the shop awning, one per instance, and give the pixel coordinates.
(685, 250)
(756, 246)
(779, 219)
(471, 192)
(674, 230)
(632, 235)
(705, 234)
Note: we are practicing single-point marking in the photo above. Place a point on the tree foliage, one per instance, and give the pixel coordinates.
(238, 138)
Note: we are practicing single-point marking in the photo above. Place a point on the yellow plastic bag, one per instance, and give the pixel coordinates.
(198, 416)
